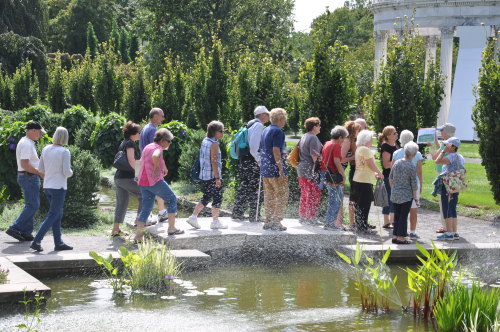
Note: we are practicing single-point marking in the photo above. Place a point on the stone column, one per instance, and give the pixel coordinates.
(446, 69)
(430, 51)
(380, 50)
(496, 34)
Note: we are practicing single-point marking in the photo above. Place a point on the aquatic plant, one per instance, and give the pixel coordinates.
(428, 282)
(467, 309)
(3, 275)
(372, 280)
(32, 309)
(116, 280)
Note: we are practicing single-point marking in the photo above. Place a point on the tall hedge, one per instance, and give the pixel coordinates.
(24, 86)
(486, 116)
(56, 93)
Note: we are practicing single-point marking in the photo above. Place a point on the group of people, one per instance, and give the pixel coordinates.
(263, 182)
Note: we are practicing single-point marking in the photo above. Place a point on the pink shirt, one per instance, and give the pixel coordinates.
(146, 178)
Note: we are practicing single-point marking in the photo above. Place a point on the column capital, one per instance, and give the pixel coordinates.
(432, 40)
(447, 31)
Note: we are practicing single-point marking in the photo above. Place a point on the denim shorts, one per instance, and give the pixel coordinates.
(449, 207)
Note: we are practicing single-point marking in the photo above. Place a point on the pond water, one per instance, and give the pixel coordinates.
(237, 298)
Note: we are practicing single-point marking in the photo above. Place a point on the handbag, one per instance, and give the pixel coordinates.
(380, 197)
(454, 181)
(195, 170)
(120, 162)
(316, 176)
(294, 158)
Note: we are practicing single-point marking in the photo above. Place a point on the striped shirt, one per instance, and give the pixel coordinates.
(205, 164)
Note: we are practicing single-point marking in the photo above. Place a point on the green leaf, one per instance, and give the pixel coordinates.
(386, 256)
(423, 250)
(344, 257)
(357, 254)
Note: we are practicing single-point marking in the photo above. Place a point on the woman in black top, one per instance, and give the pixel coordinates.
(387, 139)
(125, 183)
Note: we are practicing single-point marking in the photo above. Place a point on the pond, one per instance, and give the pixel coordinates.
(236, 298)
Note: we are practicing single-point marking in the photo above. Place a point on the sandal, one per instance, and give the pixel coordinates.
(396, 241)
(176, 232)
(372, 226)
(440, 230)
(120, 233)
(388, 226)
(149, 223)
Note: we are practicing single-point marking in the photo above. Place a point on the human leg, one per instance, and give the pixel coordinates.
(56, 226)
(56, 201)
(389, 209)
(255, 198)
(304, 198)
(401, 217)
(122, 200)
(334, 201)
(244, 191)
(30, 185)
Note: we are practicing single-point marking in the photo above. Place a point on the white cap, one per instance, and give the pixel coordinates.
(260, 110)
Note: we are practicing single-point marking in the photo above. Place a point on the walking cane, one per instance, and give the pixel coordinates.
(258, 200)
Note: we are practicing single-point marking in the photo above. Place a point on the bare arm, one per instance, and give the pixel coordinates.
(371, 163)
(25, 164)
(419, 174)
(214, 155)
(441, 160)
(156, 162)
(131, 157)
(386, 160)
(340, 169)
(277, 159)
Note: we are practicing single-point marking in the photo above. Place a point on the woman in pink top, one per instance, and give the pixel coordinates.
(152, 184)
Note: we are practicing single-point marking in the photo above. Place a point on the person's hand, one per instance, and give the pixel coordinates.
(379, 176)
(41, 174)
(218, 183)
(420, 190)
(429, 144)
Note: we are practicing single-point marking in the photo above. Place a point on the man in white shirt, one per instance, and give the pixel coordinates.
(28, 177)
(249, 164)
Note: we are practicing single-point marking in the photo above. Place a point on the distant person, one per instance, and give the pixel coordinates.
(309, 157)
(387, 140)
(332, 156)
(210, 176)
(364, 176)
(405, 138)
(403, 180)
(28, 178)
(125, 184)
(273, 171)
(447, 130)
(152, 183)
(250, 182)
(156, 117)
(451, 162)
(362, 123)
(55, 162)
(348, 158)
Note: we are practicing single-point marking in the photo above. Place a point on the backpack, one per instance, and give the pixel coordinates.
(195, 170)
(239, 144)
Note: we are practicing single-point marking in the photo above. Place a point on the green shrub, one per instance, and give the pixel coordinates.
(73, 119)
(106, 138)
(190, 152)
(5, 91)
(56, 92)
(182, 134)
(80, 206)
(25, 87)
(81, 85)
(82, 135)
(51, 121)
(32, 113)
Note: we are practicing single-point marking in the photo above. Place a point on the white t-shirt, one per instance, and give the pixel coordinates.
(26, 150)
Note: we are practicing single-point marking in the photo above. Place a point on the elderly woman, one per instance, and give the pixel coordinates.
(452, 162)
(152, 183)
(331, 160)
(125, 185)
(348, 151)
(55, 161)
(210, 176)
(273, 171)
(309, 152)
(403, 180)
(405, 138)
(387, 140)
(364, 176)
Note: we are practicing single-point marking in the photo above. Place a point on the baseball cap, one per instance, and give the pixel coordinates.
(453, 140)
(260, 110)
(447, 128)
(33, 125)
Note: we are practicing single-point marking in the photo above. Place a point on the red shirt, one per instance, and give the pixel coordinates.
(335, 154)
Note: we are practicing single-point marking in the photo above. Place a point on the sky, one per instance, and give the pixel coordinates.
(307, 10)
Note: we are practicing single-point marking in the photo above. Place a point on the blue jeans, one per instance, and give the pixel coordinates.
(449, 206)
(161, 189)
(390, 208)
(30, 184)
(335, 197)
(56, 199)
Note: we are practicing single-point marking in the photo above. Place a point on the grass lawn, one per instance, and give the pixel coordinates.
(470, 150)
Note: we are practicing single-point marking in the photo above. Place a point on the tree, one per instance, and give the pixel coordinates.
(5, 91)
(169, 92)
(216, 87)
(92, 42)
(137, 101)
(108, 84)
(124, 46)
(27, 18)
(25, 88)
(486, 116)
(56, 93)
(81, 85)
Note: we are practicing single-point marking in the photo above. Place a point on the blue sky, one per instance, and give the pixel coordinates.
(307, 10)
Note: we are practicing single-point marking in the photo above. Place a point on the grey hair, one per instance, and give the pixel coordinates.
(154, 111)
(364, 137)
(276, 115)
(163, 134)
(61, 136)
(405, 137)
(339, 131)
(411, 149)
(213, 127)
(361, 122)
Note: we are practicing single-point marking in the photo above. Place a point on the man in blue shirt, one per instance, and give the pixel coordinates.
(156, 117)
(273, 171)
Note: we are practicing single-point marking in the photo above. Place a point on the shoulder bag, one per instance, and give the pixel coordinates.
(332, 177)
(120, 162)
(380, 197)
(294, 157)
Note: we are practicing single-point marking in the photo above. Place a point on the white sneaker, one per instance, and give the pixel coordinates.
(193, 221)
(163, 216)
(216, 224)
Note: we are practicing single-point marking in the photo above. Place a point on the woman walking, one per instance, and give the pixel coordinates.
(55, 162)
(387, 139)
(210, 176)
(364, 176)
(309, 153)
(152, 183)
(403, 180)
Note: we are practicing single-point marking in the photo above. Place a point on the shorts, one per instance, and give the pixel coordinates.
(449, 207)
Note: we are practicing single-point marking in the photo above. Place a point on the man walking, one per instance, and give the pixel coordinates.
(248, 191)
(28, 178)
(156, 117)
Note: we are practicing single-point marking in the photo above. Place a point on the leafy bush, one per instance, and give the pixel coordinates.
(81, 199)
(24, 86)
(32, 113)
(190, 153)
(51, 121)
(182, 134)
(82, 134)
(106, 138)
(56, 93)
(73, 119)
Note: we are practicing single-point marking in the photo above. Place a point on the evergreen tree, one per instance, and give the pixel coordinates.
(92, 42)
(124, 46)
(56, 92)
(108, 84)
(247, 89)
(114, 39)
(133, 47)
(25, 88)
(5, 91)
(165, 94)
(216, 89)
(137, 102)
(81, 86)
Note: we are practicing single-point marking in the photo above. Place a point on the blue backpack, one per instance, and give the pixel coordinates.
(239, 144)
